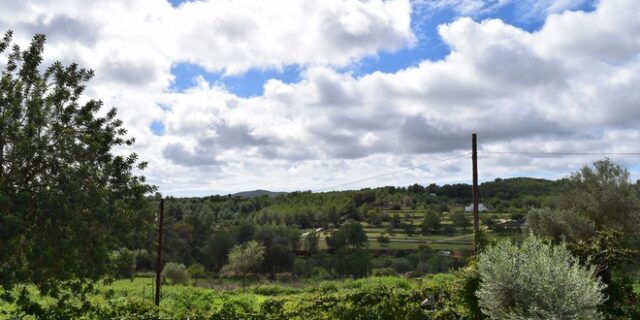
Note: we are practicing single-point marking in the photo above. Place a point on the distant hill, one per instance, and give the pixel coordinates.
(257, 193)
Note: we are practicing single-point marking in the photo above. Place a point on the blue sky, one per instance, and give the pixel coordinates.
(428, 47)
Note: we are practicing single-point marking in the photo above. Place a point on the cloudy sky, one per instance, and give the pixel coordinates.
(231, 95)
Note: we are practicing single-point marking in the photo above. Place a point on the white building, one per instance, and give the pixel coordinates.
(481, 208)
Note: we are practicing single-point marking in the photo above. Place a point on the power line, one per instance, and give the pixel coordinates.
(561, 153)
(393, 173)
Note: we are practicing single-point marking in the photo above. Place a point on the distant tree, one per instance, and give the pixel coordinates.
(176, 273)
(244, 258)
(195, 272)
(333, 216)
(335, 240)
(217, 249)
(382, 239)
(409, 228)
(460, 220)
(354, 234)
(396, 222)
(245, 231)
(311, 241)
(536, 281)
(401, 265)
(67, 199)
(416, 188)
(430, 223)
(279, 243)
(353, 262)
(375, 218)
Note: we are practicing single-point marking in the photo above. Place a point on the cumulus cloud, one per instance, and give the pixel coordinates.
(571, 85)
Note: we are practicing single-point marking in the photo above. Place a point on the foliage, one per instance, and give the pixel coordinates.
(66, 200)
(350, 234)
(196, 271)
(536, 281)
(124, 263)
(460, 220)
(217, 248)
(598, 213)
(560, 225)
(604, 194)
(430, 223)
(382, 239)
(311, 241)
(373, 298)
(353, 262)
(279, 243)
(176, 273)
(606, 252)
(244, 259)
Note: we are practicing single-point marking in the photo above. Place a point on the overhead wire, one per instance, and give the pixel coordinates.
(393, 173)
(559, 153)
(532, 153)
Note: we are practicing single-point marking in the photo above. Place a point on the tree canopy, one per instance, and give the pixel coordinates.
(66, 199)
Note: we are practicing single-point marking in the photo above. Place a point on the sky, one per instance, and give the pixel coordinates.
(231, 95)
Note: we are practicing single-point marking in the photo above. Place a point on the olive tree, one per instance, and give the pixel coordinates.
(536, 280)
(244, 258)
(176, 273)
(66, 199)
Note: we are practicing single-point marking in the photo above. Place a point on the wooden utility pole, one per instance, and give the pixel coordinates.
(474, 190)
(159, 261)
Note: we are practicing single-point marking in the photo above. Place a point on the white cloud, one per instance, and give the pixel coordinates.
(569, 86)
(525, 9)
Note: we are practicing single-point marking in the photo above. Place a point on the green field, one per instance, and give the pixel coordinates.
(336, 299)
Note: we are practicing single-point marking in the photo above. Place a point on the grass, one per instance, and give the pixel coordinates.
(188, 298)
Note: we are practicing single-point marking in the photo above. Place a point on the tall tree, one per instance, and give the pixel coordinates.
(66, 200)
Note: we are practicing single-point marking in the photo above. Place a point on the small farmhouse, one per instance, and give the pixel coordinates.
(481, 208)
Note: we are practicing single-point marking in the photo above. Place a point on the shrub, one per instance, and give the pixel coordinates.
(196, 271)
(383, 239)
(176, 273)
(536, 281)
(381, 272)
(401, 265)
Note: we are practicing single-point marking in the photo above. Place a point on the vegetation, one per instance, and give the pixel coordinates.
(66, 200)
(244, 259)
(536, 281)
(176, 273)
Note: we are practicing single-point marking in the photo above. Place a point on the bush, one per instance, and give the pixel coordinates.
(176, 273)
(536, 281)
(401, 265)
(383, 272)
(383, 239)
